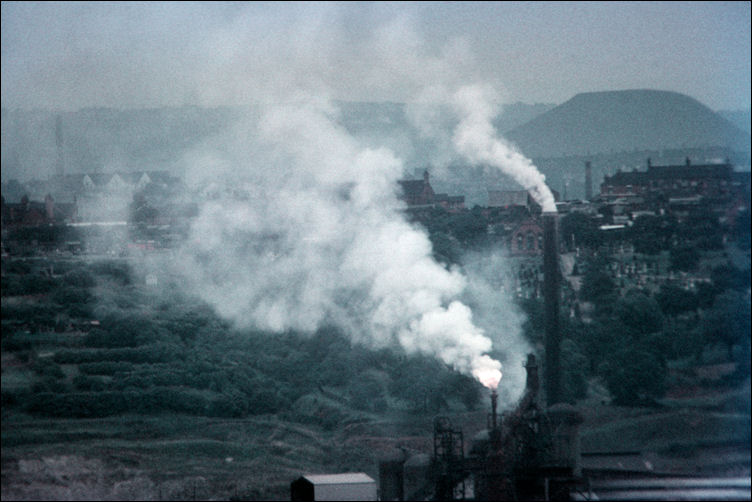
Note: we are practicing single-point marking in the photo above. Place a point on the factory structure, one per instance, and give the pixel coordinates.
(530, 453)
(534, 452)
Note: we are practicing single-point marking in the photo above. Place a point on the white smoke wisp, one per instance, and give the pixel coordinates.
(490, 295)
(312, 233)
(476, 139)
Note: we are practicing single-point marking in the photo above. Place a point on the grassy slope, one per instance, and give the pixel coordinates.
(170, 456)
(173, 456)
(166, 456)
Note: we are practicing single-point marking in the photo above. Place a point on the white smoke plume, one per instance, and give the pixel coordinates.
(312, 233)
(476, 139)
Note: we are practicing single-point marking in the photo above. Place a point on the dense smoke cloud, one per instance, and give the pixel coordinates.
(476, 139)
(300, 224)
(312, 233)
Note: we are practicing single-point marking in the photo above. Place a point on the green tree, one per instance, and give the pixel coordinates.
(741, 230)
(579, 229)
(597, 284)
(575, 371)
(706, 293)
(445, 249)
(729, 277)
(651, 234)
(639, 312)
(728, 322)
(597, 340)
(634, 376)
(684, 258)
(674, 300)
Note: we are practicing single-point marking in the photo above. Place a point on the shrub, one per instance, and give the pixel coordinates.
(88, 383)
(79, 278)
(105, 367)
(634, 376)
(47, 368)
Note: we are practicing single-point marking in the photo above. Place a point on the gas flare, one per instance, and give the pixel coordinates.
(488, 372)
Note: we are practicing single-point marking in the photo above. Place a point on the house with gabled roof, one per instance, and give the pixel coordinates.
(420, 194)
(417, 193)
(526, 238)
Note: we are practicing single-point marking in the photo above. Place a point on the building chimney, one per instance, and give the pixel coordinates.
(551, 278)
(532, 384)
(588, 181)
(59, 161)
(49, 207)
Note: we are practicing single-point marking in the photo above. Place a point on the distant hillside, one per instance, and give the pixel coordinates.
(740, 118)
(107, 139)
(617, 121)
(516, 114)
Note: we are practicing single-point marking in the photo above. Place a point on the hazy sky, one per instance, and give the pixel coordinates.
(70, 55)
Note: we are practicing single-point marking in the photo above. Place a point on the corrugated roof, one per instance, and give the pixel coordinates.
(339, 479)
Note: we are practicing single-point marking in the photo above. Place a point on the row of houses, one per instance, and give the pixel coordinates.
(82, 197)
(419, 194)
(626, 195)
(676, 189)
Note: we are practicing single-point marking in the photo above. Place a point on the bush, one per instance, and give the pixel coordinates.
(634, 376)
(79, 278)
(47, 368)
(104, 368)
(674, 300)
(88, 383)
(684, 258)
(227, 406)
(574, 369)
(145, 354)
(49, 384)
(639, 312)
(117, 270)
(74, 299)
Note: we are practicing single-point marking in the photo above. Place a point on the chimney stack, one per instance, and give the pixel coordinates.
(551, 278)
(59, 160)
(588, 181)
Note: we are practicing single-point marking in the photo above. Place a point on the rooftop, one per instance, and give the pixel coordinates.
(339, 479)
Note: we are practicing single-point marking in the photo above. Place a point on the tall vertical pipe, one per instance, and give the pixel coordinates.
(494, 419)
(551, 278)
(59, 160)
(588, 181)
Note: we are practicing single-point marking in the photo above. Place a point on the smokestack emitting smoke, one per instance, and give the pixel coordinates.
(317, 236)
(551, 299)
(475, 138)
(313, 234)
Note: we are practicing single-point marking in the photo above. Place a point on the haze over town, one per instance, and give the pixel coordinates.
(69, 55)
(247, 241)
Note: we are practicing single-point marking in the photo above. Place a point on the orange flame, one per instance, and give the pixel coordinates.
(490, 377)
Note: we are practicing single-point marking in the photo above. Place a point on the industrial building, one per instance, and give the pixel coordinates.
(345, 486)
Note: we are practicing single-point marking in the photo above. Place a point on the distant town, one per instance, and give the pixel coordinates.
(114, 214)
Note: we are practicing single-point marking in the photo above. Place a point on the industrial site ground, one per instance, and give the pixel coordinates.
(114, 389)
(181, 457)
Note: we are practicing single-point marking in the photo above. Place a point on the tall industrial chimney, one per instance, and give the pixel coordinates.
(59, 160)
(588, 181)
(551, 278)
